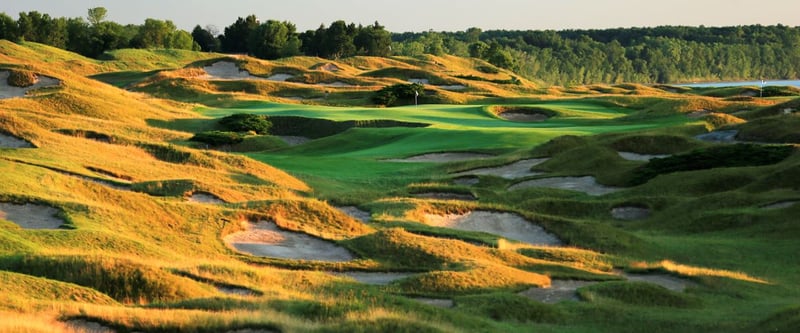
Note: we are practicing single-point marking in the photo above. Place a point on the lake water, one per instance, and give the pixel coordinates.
(794, 83)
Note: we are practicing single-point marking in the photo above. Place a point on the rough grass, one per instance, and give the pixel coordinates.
(637, 293)
(509, 307)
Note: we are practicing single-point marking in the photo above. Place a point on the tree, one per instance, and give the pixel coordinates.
(237, 34)
(96, 15)
(338, 41)
(155, 33)
(497, 55)
(8, 27)
(373, 40)
(205, 39)
(478, 49)
(273, 40)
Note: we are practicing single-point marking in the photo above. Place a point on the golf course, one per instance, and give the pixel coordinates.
(161, 190)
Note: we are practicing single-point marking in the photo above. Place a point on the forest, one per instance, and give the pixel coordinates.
(665, 54)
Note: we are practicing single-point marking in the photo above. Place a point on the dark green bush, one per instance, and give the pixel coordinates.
(216, 138)
(245, 122)
(739, 155)
(398, 94)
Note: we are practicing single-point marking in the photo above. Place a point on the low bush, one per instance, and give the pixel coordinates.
(739, 155)
(398, 94)
(245, 122)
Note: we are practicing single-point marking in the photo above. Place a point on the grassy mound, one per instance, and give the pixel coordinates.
(637, 293)
(508, 307)
(21, 78)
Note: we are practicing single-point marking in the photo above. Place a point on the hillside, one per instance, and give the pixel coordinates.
(496, 204)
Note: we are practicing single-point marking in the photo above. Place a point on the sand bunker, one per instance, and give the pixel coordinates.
(205, 198)
(506, 225)
(586, 184)
(226, 70)
(336, 84)
(419, 81)
(85, 326)
(559, 290)
(374, 278)
(519, 169)
(280, 77)
(670, 282)
(265, 239)
(356, 213)
(466, 181)
(8, 141)
(9, 91)
(719, 136)
(438, 302)
(330, 67)
(442, 157)
(446, 196)
(452, 87)
(294, 140)
(630, 213)
(780, 205)
(31, 216)
(639, 157)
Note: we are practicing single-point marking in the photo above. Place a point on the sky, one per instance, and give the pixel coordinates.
(437, 15)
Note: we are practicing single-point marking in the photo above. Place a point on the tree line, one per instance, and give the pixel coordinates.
(664, 54)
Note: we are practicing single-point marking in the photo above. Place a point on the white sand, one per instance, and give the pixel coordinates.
(639, 157)
(374, 278)
(265, 239)
(559, 290)
(205, 198)
(7, 141)
(30, 216)
(586, 184)
(518, 169)
(8, 91)
(280, 77)
(507, 225)
(356, 213)
(84, 326)
(419, 81)
(226, 70)
(442, 157)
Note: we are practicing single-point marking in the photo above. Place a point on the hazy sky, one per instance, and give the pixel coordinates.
(439, 15)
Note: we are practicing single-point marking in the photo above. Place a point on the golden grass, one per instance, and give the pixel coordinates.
(687, 270)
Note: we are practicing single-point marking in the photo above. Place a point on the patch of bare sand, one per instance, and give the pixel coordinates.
(780, 205)
(586, 184)
(559, 290)
(639, 157)
(85, 326)
(294, 140)
(330, 67)
(30, 216)
(438, 302)
(9, 91)
(630, 213)
(226, 70)
(280, 77)
(339, 84)
(670, 282)
(205, 198)
(374, 278)
(356, 213)
(265, 239)
(8, 141)
(419, 81)
(442, 157)
(446, 196)
(518, 169)
(507, 225)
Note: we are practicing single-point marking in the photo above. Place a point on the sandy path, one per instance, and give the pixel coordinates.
(518, 169)
(7, 141)
(586, 184)
(442, 157)
(30, 216)
(639, 157)
(8, 91)
(630, 213)
(506, 225)
(265, 239)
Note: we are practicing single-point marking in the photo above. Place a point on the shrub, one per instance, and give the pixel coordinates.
(21, 79)
(398, 93)
(216, 138)
(244, 122)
